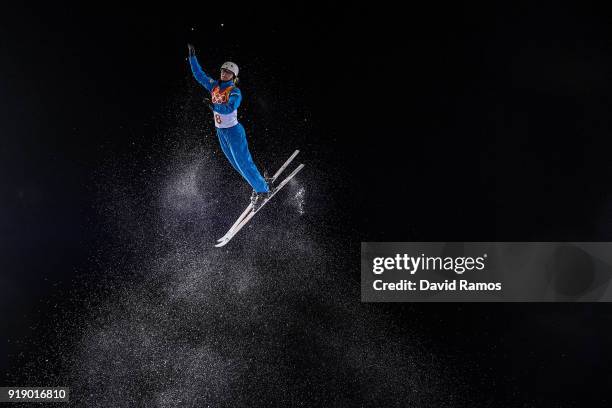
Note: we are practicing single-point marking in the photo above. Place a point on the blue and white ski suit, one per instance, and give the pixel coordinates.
(226, 99)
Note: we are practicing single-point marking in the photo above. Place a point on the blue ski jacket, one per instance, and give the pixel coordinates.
(235, 97)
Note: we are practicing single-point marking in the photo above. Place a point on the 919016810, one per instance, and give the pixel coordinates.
(34, 394)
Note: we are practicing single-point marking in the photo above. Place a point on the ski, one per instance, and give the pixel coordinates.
(250, 206)
(251, 214)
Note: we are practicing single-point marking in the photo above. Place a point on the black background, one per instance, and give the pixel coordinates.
(464, 123)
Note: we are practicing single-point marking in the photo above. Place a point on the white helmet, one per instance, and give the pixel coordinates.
(230, 66)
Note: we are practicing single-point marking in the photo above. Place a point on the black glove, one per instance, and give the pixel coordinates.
(191, 50)
(208, 102)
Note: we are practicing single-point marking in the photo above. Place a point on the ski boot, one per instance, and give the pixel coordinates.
(257, 199)
(269, 179)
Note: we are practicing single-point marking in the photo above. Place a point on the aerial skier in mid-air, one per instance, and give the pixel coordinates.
(225, 98)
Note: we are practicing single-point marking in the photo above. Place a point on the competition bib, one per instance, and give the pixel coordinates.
(226, 121)
(222, 96)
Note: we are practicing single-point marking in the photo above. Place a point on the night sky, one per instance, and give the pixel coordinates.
(470, 123)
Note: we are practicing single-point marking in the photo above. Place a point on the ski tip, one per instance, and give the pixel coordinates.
(220, 244)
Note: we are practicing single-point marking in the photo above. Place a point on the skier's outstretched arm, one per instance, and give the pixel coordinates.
(199, 74)
(232, 104)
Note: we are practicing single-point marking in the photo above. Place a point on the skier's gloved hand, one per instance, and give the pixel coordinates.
(208, 103)
(191, 50)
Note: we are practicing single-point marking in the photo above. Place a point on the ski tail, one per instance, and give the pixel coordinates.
(284, 166)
